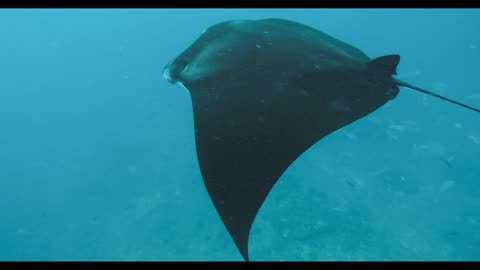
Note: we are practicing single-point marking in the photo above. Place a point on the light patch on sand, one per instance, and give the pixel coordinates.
(446, 185)
(474, 139)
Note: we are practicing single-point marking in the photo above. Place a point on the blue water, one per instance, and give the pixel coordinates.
(98, 161)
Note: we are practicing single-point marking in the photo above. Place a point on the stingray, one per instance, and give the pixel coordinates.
(263, 92)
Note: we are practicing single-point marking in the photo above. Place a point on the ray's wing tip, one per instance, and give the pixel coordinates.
(245, 257)
(244, 252)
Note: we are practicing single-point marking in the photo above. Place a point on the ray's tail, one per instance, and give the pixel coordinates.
(405, 84)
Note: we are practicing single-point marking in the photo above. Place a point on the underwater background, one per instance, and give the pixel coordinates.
(98, 160)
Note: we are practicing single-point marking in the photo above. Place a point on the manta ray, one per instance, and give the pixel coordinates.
(263, 92)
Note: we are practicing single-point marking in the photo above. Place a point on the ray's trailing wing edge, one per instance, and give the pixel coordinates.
(263, 92)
